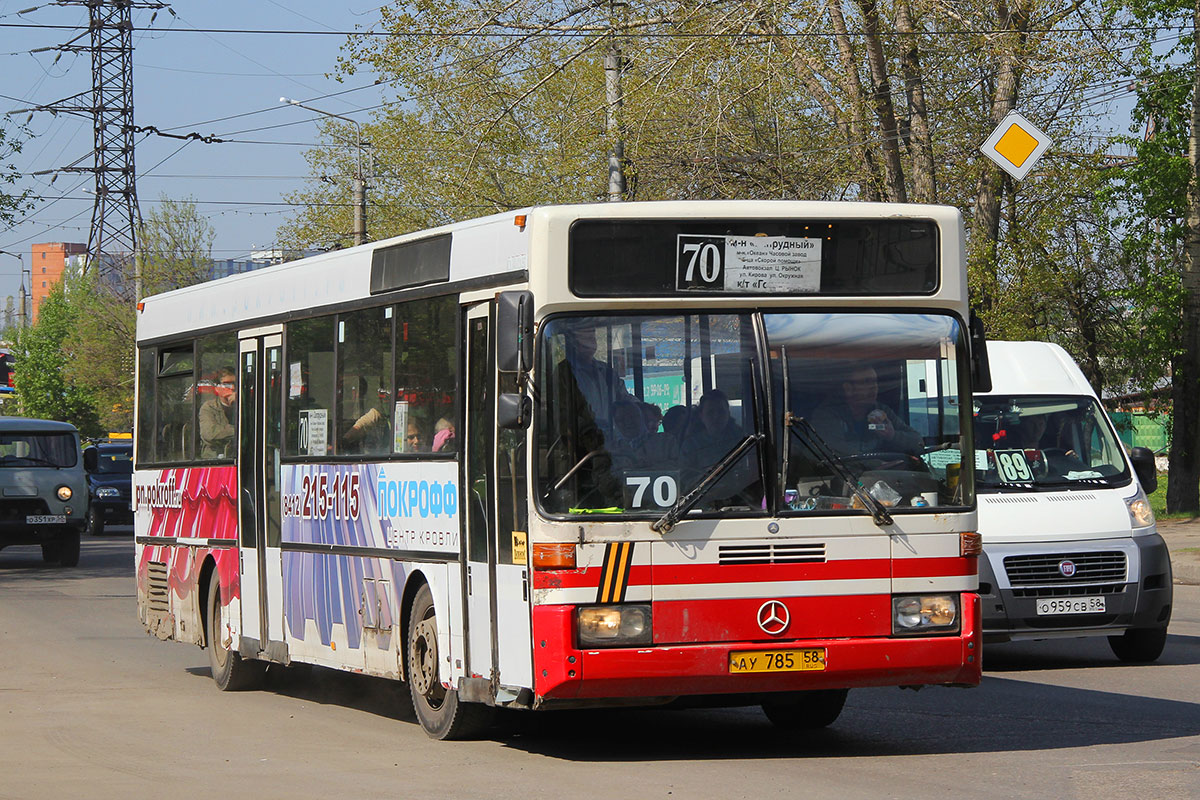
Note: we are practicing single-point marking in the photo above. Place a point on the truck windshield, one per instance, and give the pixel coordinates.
(21, 449)
(1045, 441)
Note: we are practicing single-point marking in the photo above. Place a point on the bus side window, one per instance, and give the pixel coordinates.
(309, 374)
(426, 366)
(364, 382)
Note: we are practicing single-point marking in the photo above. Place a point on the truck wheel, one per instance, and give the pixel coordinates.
(95, 521)
(230, 671)
(1139, 644)
(68, 547)
(438, 709)
(806, 711)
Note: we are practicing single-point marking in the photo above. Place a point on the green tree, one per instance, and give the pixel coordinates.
(12, 205)
(43, 387)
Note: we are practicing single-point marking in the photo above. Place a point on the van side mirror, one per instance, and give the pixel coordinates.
(91, 459)
(514, 331)
(981, 370)
(1144, 468)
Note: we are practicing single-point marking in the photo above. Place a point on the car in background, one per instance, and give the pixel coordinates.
(110, 485)
(43, 487)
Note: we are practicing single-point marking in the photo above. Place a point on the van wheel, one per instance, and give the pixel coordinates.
(50, 552)
(1139, 645)
(68, 547)
(95, 521)
(806, 711)
(230, 671)
(438, 709)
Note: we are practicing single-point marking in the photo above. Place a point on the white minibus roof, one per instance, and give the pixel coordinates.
(1035, 368)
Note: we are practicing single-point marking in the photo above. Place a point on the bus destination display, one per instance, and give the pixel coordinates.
(748, 264)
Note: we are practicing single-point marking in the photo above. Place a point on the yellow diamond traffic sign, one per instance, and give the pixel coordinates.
(1015, 145)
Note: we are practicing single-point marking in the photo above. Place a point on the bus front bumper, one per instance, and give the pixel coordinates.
(564, 672)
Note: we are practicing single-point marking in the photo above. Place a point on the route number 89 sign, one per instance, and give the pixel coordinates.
(1013, 467)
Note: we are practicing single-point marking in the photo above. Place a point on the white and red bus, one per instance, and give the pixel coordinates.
(639, 453)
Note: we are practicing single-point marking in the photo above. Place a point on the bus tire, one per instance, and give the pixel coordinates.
(68, 547)
(438, 709)
(806, 711)
(230, 671)
(1139, 644)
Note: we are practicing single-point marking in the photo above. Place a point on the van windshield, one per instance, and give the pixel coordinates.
(28, 449)
(1045, 442)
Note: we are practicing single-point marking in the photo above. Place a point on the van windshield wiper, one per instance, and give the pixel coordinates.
(684, 504)
(821, 449)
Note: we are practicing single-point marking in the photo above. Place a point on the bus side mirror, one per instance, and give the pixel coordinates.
(1143, 467)
(514, 331)
(981, 370)
(513, 411)
(91, 459)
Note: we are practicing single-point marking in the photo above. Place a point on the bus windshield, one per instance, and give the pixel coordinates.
(1045, 442)
(636, 411)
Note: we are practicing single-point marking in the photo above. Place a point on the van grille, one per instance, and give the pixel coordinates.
(1008, 499)
(1090, 567)
(772, 553)
(15, 510)
(1073, 497)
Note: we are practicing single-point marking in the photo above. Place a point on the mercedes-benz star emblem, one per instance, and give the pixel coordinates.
(773, 617)
(1067, 568)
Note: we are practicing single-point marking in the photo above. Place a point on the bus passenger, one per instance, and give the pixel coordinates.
(443, 436)
(715, 434)
(216, 416)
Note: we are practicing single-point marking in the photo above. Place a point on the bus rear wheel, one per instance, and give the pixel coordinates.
(438, 709)
(806, 711)
(230, 671)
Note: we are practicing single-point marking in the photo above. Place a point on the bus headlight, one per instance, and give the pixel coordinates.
(64, 493)
(924, 613)
(614, 626)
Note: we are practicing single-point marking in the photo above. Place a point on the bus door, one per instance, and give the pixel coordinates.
(498, 601)
(260, 430)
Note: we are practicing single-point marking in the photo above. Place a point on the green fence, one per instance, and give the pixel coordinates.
(1143, 430)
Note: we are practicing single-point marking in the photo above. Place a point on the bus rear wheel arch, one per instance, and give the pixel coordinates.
(439, 711)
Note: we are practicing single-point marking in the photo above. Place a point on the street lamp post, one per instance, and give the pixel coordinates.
(21, 258)
(360, 182)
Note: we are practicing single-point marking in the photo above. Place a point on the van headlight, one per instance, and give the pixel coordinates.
(1140, 513)
(924, 613)
(64, 493)
(614, 626)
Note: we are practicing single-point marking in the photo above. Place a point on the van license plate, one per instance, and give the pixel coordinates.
(810, 658)
(1070, 605)
(46, 519)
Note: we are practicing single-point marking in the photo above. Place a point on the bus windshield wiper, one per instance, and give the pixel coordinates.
(684, 504)
(821, 449)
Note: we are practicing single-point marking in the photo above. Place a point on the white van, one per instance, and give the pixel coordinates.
(1070, 545)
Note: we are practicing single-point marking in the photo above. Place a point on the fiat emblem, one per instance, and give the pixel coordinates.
(1067, 568)
(773, 617)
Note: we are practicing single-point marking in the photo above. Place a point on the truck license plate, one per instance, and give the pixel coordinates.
(46, 519)
(810, 658)
(1070, 605)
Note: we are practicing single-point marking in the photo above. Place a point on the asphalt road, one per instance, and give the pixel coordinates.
(91, 707)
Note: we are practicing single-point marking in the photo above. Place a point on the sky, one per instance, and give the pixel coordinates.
(185, 80)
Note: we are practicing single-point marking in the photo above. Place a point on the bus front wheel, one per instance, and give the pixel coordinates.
(230, 671)
(806, 711)
(438, 709)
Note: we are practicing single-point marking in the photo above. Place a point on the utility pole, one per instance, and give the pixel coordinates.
(614, 66)
(21, 259)
(359, 191)
(116, 219)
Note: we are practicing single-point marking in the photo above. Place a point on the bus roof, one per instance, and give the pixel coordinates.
(488, 251)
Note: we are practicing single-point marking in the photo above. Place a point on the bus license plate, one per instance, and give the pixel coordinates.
(812, 658)
(1070, 605)
(46, 519)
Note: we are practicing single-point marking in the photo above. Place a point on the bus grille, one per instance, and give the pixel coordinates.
(1035, 570)
(772, 553)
